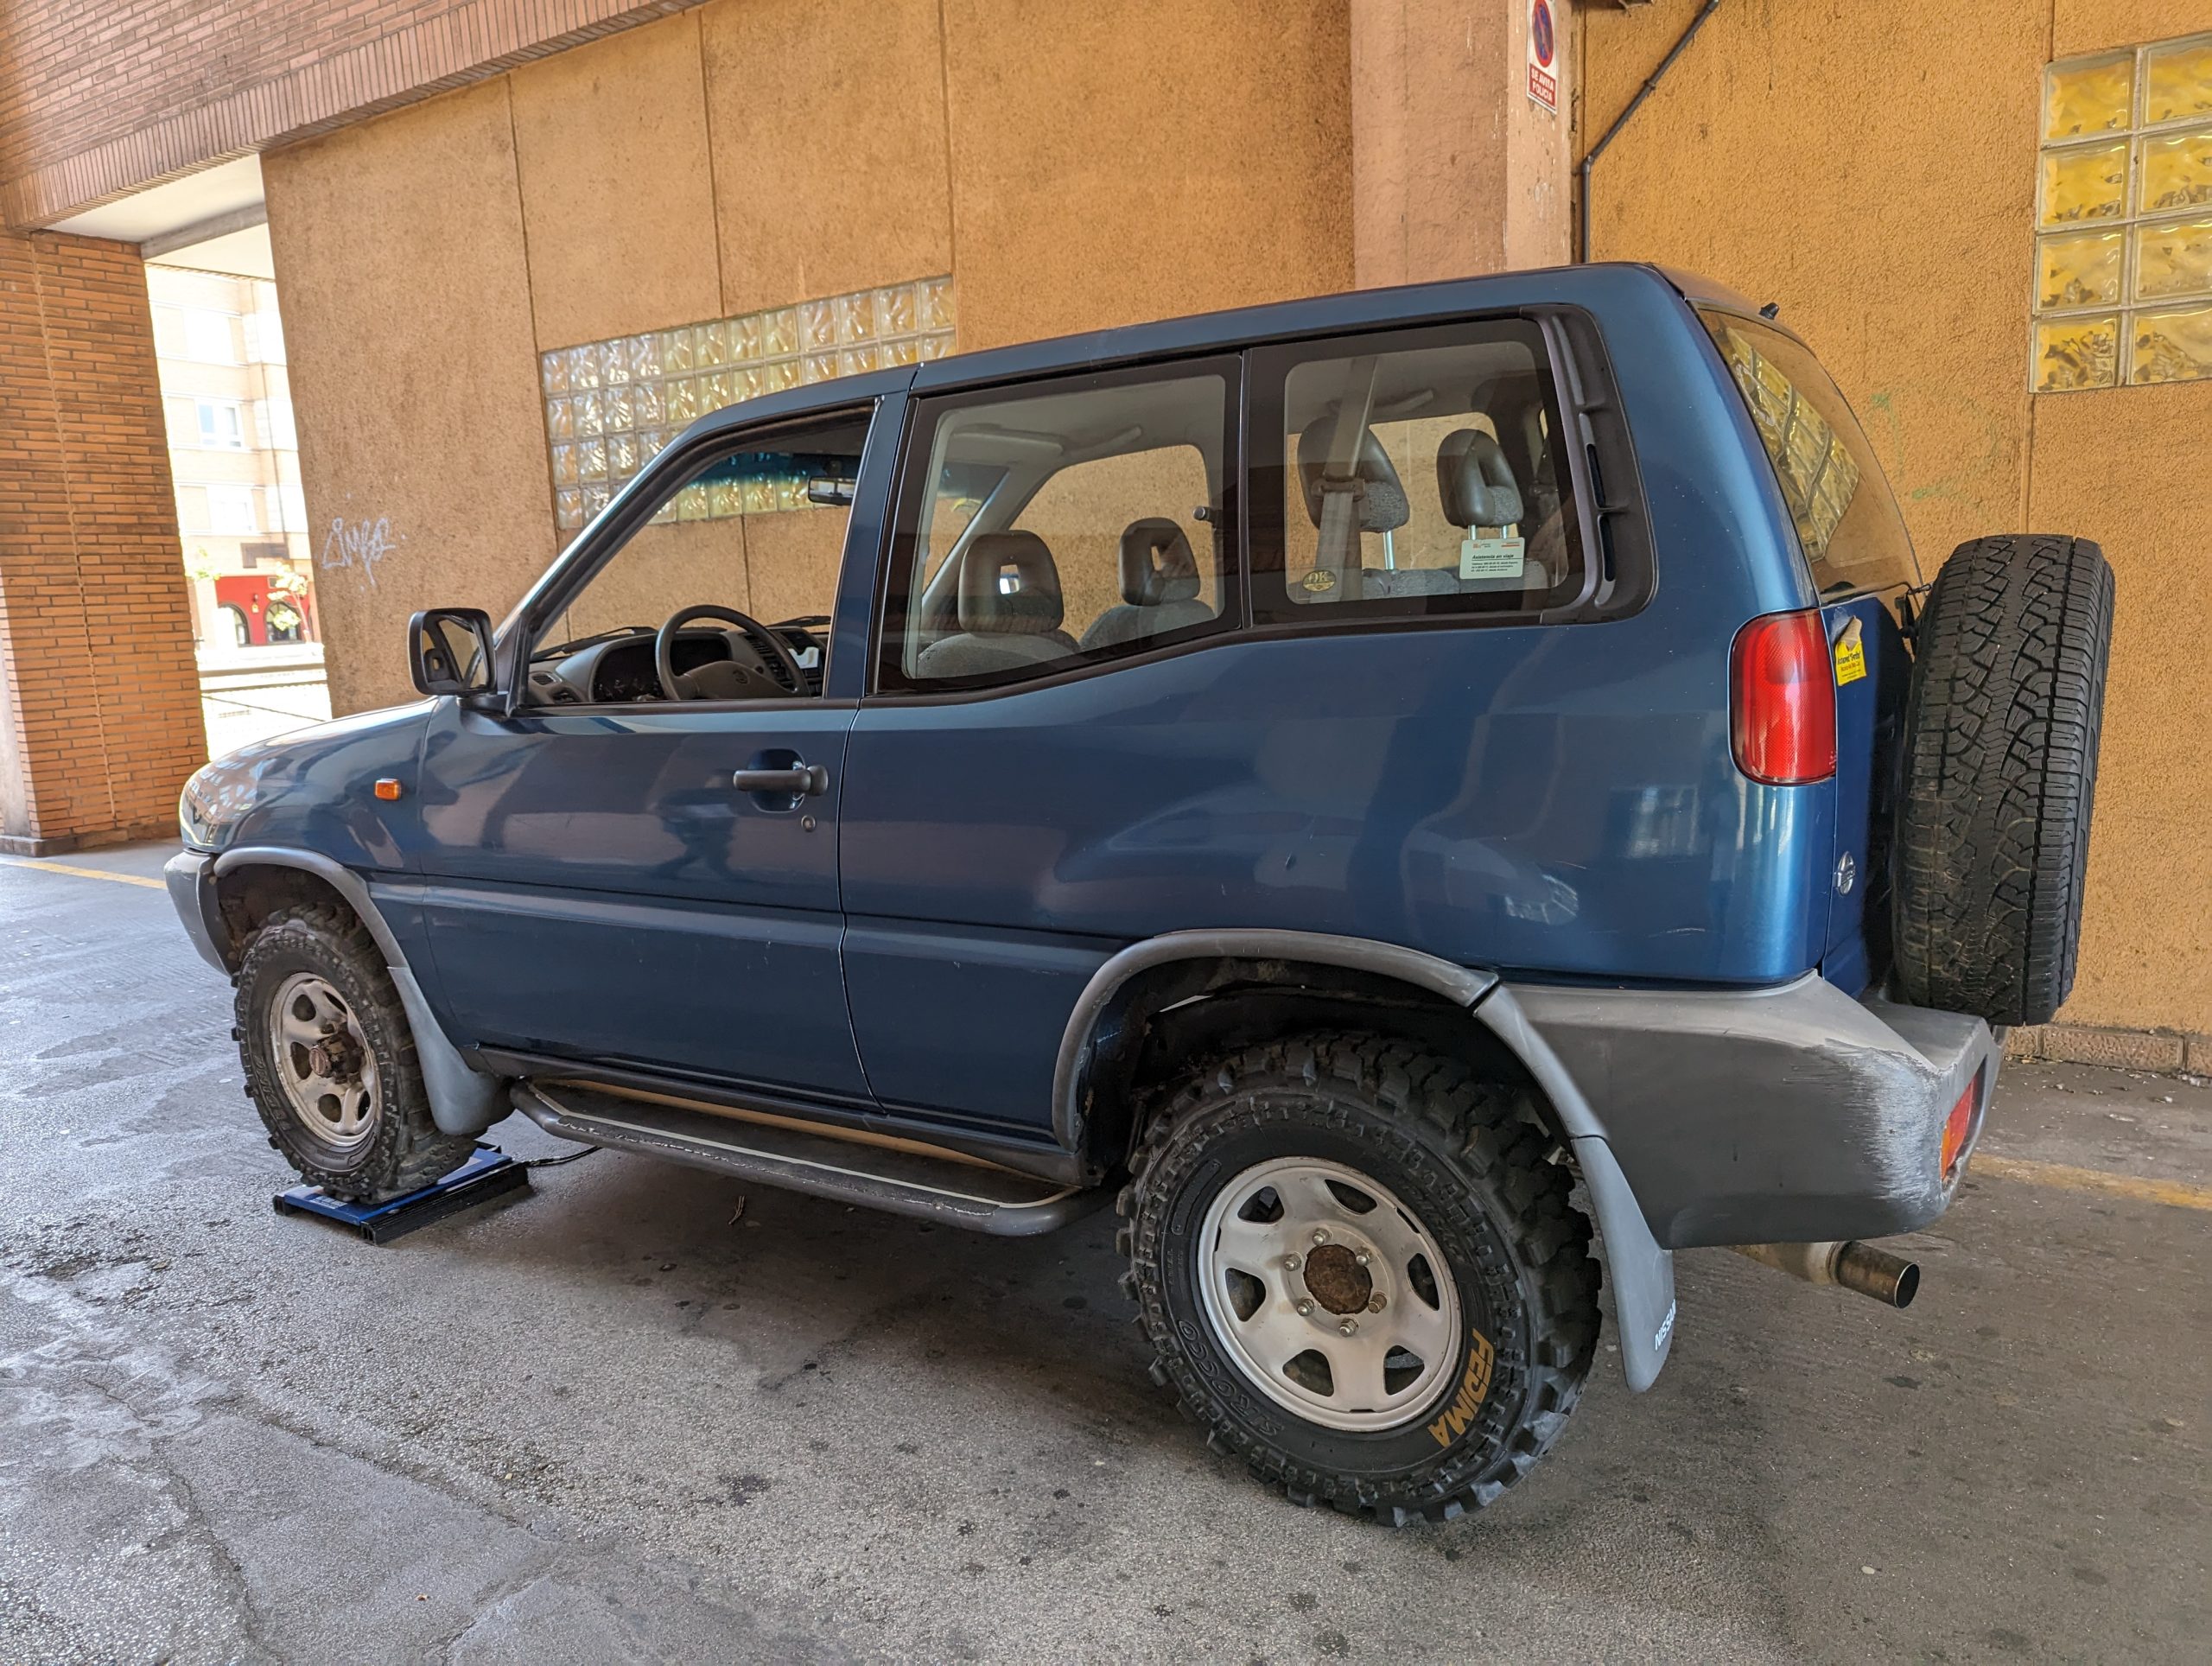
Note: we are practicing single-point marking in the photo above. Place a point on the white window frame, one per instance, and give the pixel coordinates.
(198, 324)
(202, 409)
(235, 497)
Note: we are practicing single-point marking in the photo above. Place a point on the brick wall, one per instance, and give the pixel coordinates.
(99, 698)
(98, 98)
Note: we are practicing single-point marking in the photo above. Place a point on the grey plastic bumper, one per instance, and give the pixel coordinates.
(191, 877)
(1788, 1114)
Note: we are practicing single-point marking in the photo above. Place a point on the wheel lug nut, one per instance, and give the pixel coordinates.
(1362, 1257)
(1305, 1307)
(1378, 1302)
(1348, 1327)
(1320, 1235)
(1290, 1263)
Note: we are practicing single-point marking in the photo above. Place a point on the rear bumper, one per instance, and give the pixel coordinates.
(1790, 1114)
(191, 877)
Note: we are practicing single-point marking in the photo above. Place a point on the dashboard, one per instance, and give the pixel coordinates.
(622, 672)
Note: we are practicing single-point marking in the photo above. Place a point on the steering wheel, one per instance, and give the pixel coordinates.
(725, 679)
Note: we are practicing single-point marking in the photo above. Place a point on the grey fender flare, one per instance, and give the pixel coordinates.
(1640, 1272)
(463, 1100)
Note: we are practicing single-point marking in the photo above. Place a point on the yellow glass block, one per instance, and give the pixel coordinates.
(779, 332)
(595, 497)
(759, 497)
(590, 414)
(2177, 171)
(622, 459)
(744, 339)
(618, 411)
(779, 373)
(2173, 259)
(676, 352)
(855, 318)
(591, 459)
(710, 344)
(716, 392)
(933, 346)
(652, 443)
(2084, 183)
(2081, 271)
(648, 402)
(933, 304)
(726, 499)
(851, 361)
(2172, 346)
(790, 492)
(818, 325)
(691, 504)
(902, 352)
(568, 509)
(681, 401)
(2077, 352)
(2178, 81)
(553, 371)
(2090, 95)
(566, 471)
(745, 383)
(894, 310)
(817, 366)
(560, 419)
(583, 366)
(613, 362)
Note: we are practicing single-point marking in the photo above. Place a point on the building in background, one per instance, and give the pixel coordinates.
(234, 460)
(520, 241)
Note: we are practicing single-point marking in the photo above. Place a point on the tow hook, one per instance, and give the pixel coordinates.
(1891, 1280)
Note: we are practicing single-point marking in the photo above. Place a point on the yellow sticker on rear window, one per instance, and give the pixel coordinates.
(1850, 657)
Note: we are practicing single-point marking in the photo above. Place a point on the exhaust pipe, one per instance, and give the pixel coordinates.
(1891, 1280)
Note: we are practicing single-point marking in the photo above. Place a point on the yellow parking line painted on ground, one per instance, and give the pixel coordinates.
(82, 873)
(2179, 1195)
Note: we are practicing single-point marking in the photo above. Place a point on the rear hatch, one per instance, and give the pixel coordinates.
(1862, 566)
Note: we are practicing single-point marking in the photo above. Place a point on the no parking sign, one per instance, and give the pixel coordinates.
(1543, 55)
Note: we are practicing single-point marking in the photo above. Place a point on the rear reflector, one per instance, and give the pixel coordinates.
(1956, 1129)
(1782, 700)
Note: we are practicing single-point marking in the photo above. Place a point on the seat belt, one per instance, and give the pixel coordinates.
(1342, 490)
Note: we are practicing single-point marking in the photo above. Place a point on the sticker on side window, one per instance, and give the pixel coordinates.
(1488, 553)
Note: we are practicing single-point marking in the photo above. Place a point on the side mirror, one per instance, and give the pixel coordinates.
(449, 650)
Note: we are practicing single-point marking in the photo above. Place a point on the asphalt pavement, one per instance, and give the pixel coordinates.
(645, 1413)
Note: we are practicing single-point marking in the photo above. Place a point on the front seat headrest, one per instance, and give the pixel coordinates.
(1009, 587)
(1475, 481)
(1383, 505)
(1157, 565)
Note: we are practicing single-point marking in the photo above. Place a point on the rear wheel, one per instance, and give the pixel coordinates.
(2000, 774)
(330, 1060)
(1361, 1273)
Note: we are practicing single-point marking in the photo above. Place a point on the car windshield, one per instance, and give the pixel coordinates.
(1847, 522)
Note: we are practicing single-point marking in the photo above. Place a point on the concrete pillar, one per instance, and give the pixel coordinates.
(99, 696)
(1455, 169)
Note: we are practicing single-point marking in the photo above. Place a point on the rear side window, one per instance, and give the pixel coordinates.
(1083, 522)
(1412, 475)
(1847, 521)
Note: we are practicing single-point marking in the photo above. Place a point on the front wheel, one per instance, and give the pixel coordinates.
(330, 1060)
(1361, 1273)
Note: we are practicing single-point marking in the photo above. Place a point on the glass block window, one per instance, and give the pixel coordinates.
(2124, 219)
(610, 406)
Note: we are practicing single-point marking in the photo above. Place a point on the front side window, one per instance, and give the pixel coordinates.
(757, 530)
(1060, 528)
(1419, 475)
(1847, 522)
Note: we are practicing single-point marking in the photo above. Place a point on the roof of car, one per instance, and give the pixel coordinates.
(1228, 331)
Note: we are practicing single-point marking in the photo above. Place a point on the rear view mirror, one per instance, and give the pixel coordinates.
(449, 650)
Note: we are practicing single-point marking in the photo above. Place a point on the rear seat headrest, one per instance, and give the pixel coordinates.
(1009, 587)
(1157, 565)
(1475, 481)
(1383, 505)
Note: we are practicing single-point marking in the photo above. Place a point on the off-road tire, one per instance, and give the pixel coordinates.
(1470, 1158)
(405, 1151)
(2000, 776)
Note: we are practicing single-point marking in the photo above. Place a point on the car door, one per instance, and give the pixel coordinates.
(640, 883)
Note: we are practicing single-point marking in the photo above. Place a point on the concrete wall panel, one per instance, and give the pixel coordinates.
(400, 259)
(1139, 159)
(2084, 26)
(827, 119)
(617, 193)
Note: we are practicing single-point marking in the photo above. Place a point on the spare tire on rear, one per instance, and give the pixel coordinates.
(2000, 769)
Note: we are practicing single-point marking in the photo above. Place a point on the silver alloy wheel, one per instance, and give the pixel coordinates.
(323, 1062)
(1329, 1294)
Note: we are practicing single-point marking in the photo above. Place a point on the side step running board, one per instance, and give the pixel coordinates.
(958, 1193)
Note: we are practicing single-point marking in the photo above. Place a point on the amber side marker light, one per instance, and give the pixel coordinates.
(387, 788)
(1956, 1127)
(1782, 700)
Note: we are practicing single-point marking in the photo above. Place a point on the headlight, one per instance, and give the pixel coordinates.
(213, 800)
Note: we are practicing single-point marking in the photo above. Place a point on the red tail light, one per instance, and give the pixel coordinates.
(1956, 1127)
(1782, 700)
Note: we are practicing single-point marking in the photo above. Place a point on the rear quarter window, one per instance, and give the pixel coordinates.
(1847, 521)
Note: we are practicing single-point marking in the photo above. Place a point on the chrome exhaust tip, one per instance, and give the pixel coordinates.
(1851, 1265)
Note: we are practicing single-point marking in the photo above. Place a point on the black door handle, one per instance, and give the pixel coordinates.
(801, 780)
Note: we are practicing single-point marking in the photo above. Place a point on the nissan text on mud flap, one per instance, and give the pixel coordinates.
(1427, 800)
